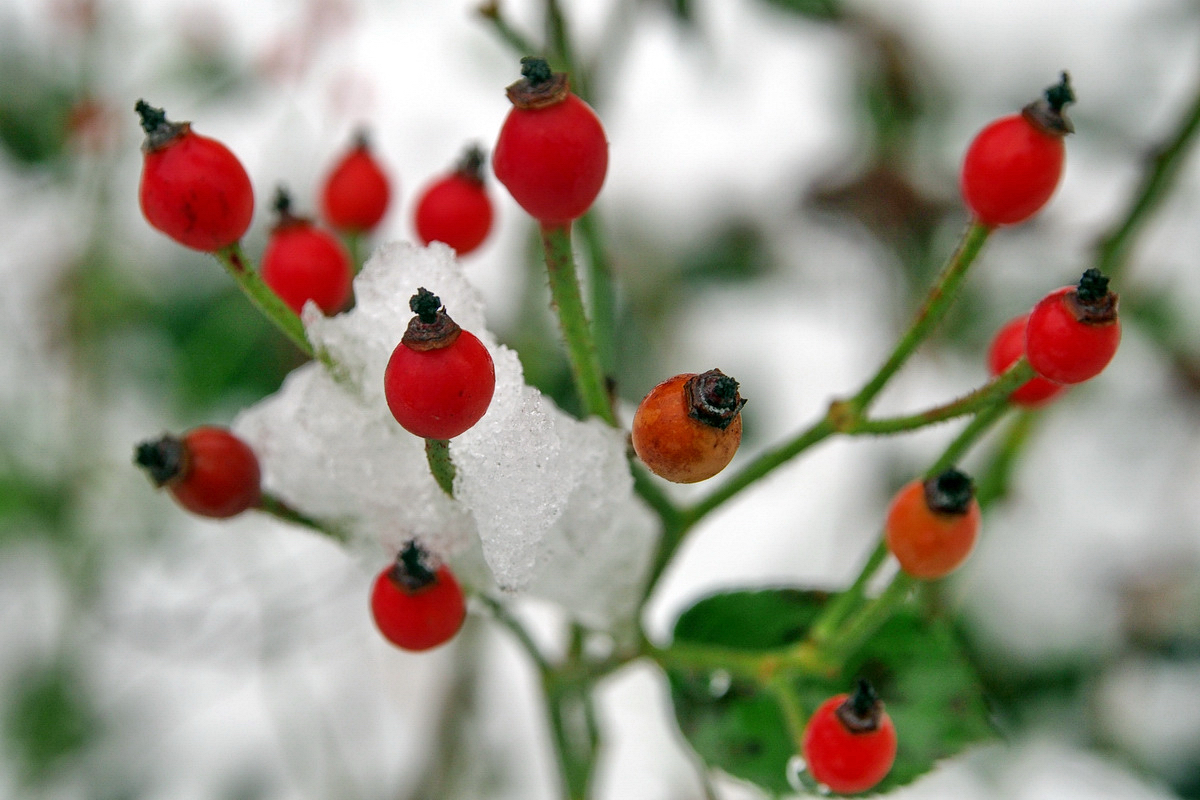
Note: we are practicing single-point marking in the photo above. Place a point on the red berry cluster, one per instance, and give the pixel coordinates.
(1068, 337)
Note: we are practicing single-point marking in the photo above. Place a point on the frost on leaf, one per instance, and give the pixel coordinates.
(548, 500)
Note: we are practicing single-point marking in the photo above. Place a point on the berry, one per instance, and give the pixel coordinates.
(1073, 332)
(1014, 164)
(1007, 346)
(456, 208)
(356, 192)
(849, 743)
(209, 471)
(932, 525)
(688, 428)
(415, 607)
(193, 188)
(552, 154)
(440, 378)
(302, 262)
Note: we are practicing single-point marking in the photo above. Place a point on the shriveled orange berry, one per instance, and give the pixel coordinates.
(689, 426)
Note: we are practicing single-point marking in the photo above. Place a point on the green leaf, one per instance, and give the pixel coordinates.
(49, 721)
(918, 666)
(813, 9)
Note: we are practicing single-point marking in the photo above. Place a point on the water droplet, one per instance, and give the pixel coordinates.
(719, 683)
(823, 790)
(795, 773)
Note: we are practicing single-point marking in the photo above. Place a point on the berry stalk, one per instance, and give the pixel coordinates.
(272, 505)
(567, 301)
(437, 453)
(992, 393)
(937, 303)
(241, 269)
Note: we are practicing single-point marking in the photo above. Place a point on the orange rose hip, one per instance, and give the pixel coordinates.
(689, 426)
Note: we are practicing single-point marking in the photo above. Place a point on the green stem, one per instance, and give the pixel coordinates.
(270, 504)
(760, 467)
(522, 46)
(247, 278)
(603, 292)
(967, 437)
(862, 626)
(937, 302)
(502, 615)
(568, 304)
(560, 47)
(1164, 164)
(437, 453)
(982, 398)
(847, 602)
(991, 483)
(354, 242)
(573, 732)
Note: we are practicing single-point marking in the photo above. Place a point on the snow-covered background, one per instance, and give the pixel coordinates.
(189, 659)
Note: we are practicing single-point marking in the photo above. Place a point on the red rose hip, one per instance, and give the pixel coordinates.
(1007, 346)
(356, 193)
(849, 743)
(415, 607)
(456, 209)
(209, 471)
(1013, 165)
(552, 154)
(440, 379)
(192, 187)
(1074, 331)
(303, 262)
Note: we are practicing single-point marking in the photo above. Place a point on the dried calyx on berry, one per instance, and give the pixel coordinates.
(713, 398)
(470, 165)
(863, 710)
(431, 328)
(540, 86)
(1047, 112)
(1091, 302)
(284, 216)
(949, 492)
(164, 459)
(159, 130)
(411, 572)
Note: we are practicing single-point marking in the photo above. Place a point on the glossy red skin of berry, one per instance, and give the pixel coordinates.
(1061, 348)
(1007, 346)
(673, 444)
(195, 190)
(552, 159)
(1010, 171)
(221, 477)
(421, 619)
(845, 761)
(302, 262)
(456, 210)
(440, 393)
(356, 193)
(929, 544)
